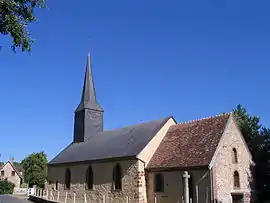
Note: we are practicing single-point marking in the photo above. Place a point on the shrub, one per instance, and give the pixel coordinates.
(24, 185)
(6, 187)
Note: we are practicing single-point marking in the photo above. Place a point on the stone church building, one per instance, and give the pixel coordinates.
(206, 160)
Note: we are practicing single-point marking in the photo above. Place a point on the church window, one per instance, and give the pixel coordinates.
(190, 187)
(89, 178)
(12, 173)
(159, 183)
(67, 179)
(56, 185)
(236, 180)
(117, 177)
(235, 158)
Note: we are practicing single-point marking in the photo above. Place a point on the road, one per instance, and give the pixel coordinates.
(10, 199)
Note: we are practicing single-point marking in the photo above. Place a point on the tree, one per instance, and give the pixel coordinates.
(6, 187)
(15, 15)
(258, 141)
(35, 169)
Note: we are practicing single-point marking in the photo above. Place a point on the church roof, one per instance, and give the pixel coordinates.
(190, 144)
(123, 142)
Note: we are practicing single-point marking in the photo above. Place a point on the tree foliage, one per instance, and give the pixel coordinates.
(15, 15)
(6, 187)
(35, 169)
(258, 141)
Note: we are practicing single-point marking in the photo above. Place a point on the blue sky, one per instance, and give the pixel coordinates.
(151, 59)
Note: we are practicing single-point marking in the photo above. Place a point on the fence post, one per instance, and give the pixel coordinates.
(190, 200)
(104, 198)
(52, 195)
(85, 200)
(155, 199)
(66, 198)
(74, 197)
(58, 196)
(127, 199)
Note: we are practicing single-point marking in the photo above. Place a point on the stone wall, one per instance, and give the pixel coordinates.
(173, 186)
(224, 167)
(102, 183)
(8, 174)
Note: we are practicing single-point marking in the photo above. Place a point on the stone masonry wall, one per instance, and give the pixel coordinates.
(102, 183)
(223, 168)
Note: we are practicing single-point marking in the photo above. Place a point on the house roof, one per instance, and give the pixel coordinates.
(17, 169)
(123, 142)
(190, 144)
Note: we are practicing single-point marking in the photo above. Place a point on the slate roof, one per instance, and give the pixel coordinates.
(190, 144)
(123, 142)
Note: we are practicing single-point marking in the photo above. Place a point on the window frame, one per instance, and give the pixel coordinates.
(13, 173)
(235, 155)
(117, 177)
(159, 183)
(67, 179)
(236, 180)
(89, 180)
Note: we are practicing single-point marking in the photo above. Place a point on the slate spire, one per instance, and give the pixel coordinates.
(89, 114)
(88, 99)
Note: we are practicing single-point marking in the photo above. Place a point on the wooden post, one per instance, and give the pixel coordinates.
(52, 195)
(127, 199)
(74, 197)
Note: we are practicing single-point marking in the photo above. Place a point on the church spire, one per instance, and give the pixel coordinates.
(88, 99)
(89, 114)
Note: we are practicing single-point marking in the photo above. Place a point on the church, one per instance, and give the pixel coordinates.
(162, 161)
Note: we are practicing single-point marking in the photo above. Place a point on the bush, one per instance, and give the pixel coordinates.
(6, 187)
(24, 185)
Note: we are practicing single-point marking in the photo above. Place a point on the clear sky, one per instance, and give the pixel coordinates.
(151, 59)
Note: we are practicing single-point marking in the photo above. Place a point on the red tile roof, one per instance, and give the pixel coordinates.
(190, 144)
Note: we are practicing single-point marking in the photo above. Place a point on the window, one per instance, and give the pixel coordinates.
(235, 159)
(67, 179)
(89, 178)
(56, 185)
(190, 187)
(2, 173)
(236, 180)
(159, 183)
(117, 177)
(12, 173)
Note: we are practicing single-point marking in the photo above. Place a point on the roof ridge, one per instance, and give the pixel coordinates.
(204, 118)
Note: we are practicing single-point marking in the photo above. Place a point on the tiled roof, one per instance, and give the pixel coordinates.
(122, 142)
(190, 144)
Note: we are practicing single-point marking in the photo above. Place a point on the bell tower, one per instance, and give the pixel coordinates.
(88, 114)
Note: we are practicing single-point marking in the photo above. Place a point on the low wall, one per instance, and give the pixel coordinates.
(40, 199)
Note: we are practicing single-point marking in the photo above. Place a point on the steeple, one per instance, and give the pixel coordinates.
(88, 100)
(89, 114)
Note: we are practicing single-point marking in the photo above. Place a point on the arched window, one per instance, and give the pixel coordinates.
(236, 180)
(67, 179)
(159, 183)
(117, 177)
(190, 187)
(89, 178)
(56, 185)
(235, 159)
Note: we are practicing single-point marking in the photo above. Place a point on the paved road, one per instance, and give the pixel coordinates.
(10, 199)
